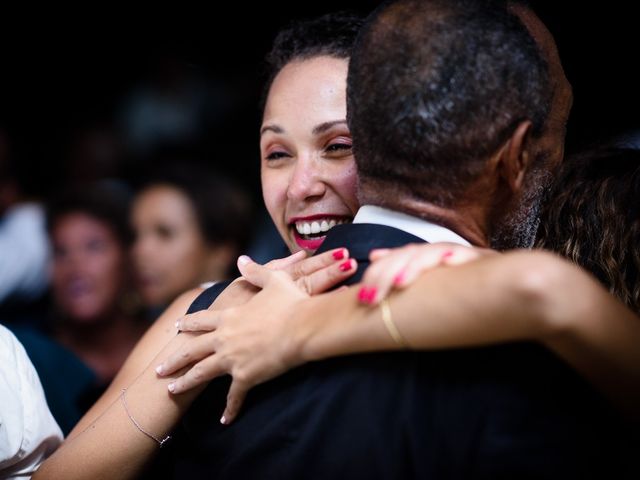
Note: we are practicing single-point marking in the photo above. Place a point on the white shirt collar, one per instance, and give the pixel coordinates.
(428, 231)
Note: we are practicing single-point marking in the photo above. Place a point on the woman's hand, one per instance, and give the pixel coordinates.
(318, 273)
(314, 275)
(252, 341)
(399, 267)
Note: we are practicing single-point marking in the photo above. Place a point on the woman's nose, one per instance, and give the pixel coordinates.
(142, 247)
(306, 181)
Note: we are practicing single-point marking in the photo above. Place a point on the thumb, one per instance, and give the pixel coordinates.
(235, 399)
(253, 272)
(282, 263)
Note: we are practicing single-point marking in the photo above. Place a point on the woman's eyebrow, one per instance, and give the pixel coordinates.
(323, 127)
(271, 128)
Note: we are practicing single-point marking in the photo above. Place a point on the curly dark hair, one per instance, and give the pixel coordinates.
(332, 34)
(104, 202)
(593, 218)
(222, 208)
(434, 88)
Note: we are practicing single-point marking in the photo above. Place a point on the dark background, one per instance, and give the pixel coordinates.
(66, 72)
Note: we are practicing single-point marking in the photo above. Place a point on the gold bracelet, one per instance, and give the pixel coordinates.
(390, 324)
(151, 436)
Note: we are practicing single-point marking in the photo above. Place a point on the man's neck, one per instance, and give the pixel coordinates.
(460, 221)
(426, 230)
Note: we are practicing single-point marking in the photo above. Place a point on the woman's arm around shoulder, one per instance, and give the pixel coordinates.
(155, 338)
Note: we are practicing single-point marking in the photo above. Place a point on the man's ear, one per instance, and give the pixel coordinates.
(516, 157)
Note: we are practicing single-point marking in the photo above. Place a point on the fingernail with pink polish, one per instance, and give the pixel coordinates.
(171, 387)
(399, 278)
(367, 295)
(346, 266)
(159, 370)
(362, 294)
(338, 254)
(447, 254)
(373, 291)
(223, 420)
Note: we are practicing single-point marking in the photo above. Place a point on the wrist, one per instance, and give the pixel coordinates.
(334, 324)
(303, 345)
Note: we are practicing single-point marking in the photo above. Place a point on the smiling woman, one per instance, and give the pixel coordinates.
(308, 180)
(308, 169)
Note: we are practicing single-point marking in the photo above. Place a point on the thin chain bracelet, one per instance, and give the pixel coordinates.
(150, 435)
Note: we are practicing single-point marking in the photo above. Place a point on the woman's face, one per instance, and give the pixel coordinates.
(307, 168)
(88, 266)
(170, 253)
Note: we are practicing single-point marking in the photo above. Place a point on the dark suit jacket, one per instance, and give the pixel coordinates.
(505, 412)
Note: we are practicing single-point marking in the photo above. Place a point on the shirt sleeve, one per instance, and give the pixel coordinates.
(28, 431)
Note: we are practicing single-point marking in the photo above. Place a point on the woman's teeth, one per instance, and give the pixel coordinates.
(317, 227)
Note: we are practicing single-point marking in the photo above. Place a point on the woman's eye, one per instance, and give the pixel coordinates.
(163, 232)
(339, 147)
(277, 155)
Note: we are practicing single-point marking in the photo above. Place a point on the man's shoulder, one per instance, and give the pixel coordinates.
(361, 238)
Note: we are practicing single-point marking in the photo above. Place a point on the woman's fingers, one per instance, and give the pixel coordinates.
(235, 399)
(252, 342)
(299, 265)
(202, 372)
(322, 280)
(379, 278)
(282, 263)
(192, 351)
(462, 255)
(398, 268)
(378, 253)
(422, 258)
(253, 272)
(316, 263)
(313, 275)
(388, 271)
(202, 321)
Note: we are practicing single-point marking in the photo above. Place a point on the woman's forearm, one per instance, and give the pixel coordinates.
(511, 297)
(468, 305)
(155, 338)
(106, 443)
(113, 446)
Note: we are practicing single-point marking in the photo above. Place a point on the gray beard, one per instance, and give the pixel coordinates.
(518, 229)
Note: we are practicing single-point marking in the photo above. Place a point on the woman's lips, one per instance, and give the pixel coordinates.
(308, 244)
(309, 232)
(147, 280)
(78, 287)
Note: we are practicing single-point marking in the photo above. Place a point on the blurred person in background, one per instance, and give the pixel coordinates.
(91, 288)
(24, 251)
(95, 321)
(190, 225)
(593, 218)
